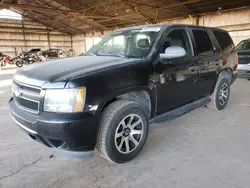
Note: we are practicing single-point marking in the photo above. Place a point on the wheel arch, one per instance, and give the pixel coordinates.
(228, 72)
(143, 95)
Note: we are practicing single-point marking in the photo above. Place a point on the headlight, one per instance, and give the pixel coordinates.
(64, 100)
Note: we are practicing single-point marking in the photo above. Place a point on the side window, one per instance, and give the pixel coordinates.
(203, 42)
(224, 40)
(240, 45)
(178, 37)
(244, 45)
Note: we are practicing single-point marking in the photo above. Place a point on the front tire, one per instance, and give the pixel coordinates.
(221, 94)
(123, 131)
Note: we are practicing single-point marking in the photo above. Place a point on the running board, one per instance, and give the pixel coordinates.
(180, 111)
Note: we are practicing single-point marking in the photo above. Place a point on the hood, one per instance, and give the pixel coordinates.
(62, 70)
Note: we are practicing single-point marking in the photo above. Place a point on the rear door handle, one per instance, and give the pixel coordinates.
(193, 68)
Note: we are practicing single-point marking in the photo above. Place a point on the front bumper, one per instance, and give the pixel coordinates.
(74, 134)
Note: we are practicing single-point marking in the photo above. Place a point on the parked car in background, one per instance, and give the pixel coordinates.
(30, 52)
(52, 54)
(135, 76)
(243, 50)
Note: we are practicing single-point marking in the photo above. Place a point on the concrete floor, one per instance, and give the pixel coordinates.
(204, 148)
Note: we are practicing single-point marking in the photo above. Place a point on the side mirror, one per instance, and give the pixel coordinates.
(173, 52)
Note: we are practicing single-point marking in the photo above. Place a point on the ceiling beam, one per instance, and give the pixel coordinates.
(54, 20)
(155, 7)
(136, 9)
(36, 8)
(25, 28)
(89, 18)
(81, 18)
(174, 5)
(51, 10)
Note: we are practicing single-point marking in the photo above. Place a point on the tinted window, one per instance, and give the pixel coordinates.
(203, 42)
(224, 40)
(178, 37)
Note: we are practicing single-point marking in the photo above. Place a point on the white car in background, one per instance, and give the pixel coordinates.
(243, 50)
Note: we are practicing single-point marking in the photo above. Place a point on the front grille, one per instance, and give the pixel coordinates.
(27, 103)
(27, 88)
(27, 97)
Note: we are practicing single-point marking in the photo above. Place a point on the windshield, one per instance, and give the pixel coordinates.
(131, 44)
(244, 45)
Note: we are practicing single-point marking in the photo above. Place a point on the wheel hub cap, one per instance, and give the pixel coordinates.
(126, 132)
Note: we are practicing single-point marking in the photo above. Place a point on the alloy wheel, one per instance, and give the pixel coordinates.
(129, 133)
(223, 94)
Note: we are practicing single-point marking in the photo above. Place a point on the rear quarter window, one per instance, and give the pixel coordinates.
(224, 40)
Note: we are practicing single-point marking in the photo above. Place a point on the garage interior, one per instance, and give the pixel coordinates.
(201, 149)
(75, 26)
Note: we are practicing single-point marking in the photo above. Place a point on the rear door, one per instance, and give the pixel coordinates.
(208, 59)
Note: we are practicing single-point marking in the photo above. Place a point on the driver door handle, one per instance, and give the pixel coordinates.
(193, 68)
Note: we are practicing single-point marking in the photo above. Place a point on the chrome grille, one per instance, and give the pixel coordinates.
(27, 97)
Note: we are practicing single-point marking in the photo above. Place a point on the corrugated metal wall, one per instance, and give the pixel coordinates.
(16, 37)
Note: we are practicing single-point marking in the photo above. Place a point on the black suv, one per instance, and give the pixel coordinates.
(107, 98)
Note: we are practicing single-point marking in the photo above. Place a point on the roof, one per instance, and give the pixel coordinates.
(165, 26)
(81, 16)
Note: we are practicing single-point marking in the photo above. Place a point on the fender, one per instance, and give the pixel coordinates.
(112, 97)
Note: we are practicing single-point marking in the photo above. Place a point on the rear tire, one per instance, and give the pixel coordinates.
(123, 131)
(221, 94)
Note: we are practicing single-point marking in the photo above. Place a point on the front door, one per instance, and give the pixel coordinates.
(178, 79)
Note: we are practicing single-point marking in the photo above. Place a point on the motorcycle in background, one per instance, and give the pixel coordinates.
(12, 61)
